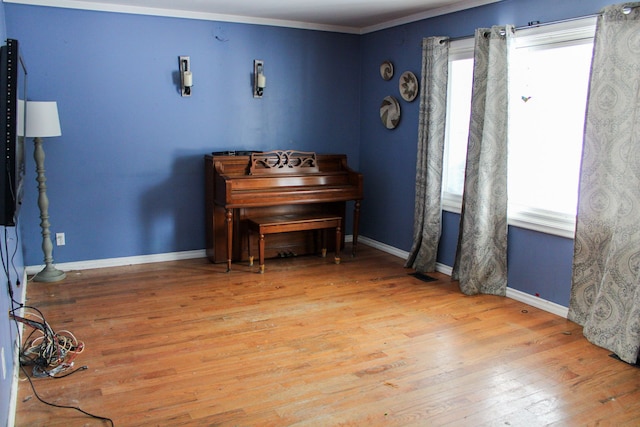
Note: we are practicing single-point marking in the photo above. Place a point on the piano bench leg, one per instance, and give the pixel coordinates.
(249, 248)
(261, 252)
(271, 226)
(338, 242)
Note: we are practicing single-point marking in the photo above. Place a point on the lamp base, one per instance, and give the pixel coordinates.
(49, 274)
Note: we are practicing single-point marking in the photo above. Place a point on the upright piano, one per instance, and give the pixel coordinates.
(248, 184)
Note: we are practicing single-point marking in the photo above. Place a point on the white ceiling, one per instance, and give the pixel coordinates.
(353, 16)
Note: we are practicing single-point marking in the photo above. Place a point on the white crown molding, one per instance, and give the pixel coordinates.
(456, 7)
(173, 13)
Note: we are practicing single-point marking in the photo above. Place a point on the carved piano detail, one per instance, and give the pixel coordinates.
(274, 183)
(283, 162)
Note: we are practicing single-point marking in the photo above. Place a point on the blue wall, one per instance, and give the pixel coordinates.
(538, 263)
(126, 177)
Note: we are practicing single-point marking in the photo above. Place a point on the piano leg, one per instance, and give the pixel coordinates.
(229, 217)
(356, 226)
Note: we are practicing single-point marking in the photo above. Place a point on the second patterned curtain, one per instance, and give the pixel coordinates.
(481, 257)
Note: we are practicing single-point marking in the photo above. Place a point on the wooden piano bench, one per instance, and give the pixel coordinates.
(294, 222)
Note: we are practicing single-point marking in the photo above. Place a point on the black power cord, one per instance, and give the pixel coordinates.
(45, 329)
(7, 263)
(109, 420)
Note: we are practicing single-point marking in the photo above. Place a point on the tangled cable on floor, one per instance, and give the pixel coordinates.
(48, 352)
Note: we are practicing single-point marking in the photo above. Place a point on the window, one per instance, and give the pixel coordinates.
(548, 91)
(457, 126)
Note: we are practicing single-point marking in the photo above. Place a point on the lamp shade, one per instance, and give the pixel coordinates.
(42, 119)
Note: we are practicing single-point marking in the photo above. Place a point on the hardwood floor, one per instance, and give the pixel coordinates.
(311, 343)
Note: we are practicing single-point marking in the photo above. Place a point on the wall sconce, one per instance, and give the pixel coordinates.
(259, 79)
(186, 78)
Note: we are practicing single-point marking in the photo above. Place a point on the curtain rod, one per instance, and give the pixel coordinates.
(534, 24)
(531, 24)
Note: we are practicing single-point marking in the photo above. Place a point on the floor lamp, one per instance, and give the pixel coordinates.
(43, 122)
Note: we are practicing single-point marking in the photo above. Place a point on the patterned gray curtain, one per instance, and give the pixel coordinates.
(433, 108)
(481, 256)
(605, 292)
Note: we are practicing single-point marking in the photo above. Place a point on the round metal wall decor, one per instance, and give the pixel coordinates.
(408, 86)
(390, 112)
(386, 70)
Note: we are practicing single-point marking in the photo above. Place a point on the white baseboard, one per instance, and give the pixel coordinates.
(13, 398)
(383, 247)
(133, 260)
(515, 294)
(444, 269)
(117, 262)
(537, 302)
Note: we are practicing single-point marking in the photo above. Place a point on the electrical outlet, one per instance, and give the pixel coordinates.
(60, 239)
(4, 364)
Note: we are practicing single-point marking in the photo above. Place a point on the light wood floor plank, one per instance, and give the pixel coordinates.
(311, 343)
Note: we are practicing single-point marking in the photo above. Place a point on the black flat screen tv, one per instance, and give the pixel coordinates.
(13, 94)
